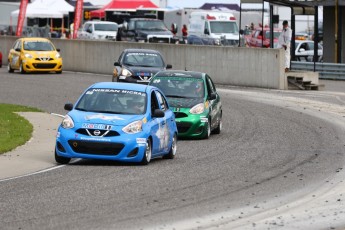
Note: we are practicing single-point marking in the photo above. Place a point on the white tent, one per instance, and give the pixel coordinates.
(46, 9)
(38, 9)
(59, 5)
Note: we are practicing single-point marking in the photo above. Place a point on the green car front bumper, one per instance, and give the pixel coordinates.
(191, 125)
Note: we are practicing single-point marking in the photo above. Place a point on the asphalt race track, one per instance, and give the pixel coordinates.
(278, 164)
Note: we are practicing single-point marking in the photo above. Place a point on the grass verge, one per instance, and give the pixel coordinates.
(14, 129)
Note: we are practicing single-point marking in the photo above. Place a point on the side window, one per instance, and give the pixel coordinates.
(162, 102)
(154, 102)
(207, 27)
(210, 86)
(16, 44)
(131, 25)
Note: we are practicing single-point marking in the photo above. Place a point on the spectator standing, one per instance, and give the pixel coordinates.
(284, 41)
(184, 31)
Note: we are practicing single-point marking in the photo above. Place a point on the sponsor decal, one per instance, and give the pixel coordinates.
(203, 119)
(57, 134)
(207, 103)
(163, 135)
(141, 140)
(142, 54)
(95, 139)
(102, 117)
(144, 120)
(118, 91)
(96, 126)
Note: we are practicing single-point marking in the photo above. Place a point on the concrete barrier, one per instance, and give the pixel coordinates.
(252, 67)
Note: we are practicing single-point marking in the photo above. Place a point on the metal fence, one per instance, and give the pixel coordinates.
(330, 71)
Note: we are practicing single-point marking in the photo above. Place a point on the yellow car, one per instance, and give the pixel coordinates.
(34, 55)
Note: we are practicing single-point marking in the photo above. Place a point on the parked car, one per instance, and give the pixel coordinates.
(194, 99)
(100, 30)
(0, 59)
(117, 121)
(138, 65)
(34, 55)
(261, 38)
(145, 30)
(305, 51)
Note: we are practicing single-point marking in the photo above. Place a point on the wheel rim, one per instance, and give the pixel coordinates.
(220, 124)
(148, 151)
(208, 128)
(9, 67)
(174, 145)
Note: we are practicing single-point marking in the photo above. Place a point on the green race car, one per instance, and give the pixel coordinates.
(194, 99)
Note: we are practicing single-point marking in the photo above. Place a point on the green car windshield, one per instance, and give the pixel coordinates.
(180, 87)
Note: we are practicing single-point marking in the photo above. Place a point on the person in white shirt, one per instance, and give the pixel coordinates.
(284, 41)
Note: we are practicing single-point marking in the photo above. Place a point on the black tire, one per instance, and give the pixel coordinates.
(21, 69)
(59, 72)
(219, 127)
(173, 149)
(148, 153)
(61, 160)
(9, 68)
(208, 130)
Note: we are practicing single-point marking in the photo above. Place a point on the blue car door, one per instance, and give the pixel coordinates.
(160, 131)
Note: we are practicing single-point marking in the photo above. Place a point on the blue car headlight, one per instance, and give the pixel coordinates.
(197, 109)
(134, 127)
(67, 122)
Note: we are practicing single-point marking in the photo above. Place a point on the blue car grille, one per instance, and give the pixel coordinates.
(97, 148)
(101, 133)
(183, 127)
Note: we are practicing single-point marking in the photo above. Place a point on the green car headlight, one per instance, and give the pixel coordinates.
(197, 109)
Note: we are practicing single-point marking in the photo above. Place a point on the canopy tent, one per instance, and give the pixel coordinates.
(122, 5)
(59, 5)
(46, 9)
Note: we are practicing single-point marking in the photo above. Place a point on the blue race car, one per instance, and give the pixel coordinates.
(117, 121)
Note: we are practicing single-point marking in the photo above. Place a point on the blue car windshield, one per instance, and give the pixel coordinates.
(115, 101)
(180, 87)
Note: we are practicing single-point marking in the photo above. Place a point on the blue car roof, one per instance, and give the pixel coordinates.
(122, 85)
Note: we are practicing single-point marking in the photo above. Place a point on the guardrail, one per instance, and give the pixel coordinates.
(330, 71)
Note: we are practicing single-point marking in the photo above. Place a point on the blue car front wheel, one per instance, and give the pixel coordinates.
(61, 160)
(147, 154)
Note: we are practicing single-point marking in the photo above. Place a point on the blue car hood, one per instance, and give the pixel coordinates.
(103, 118)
